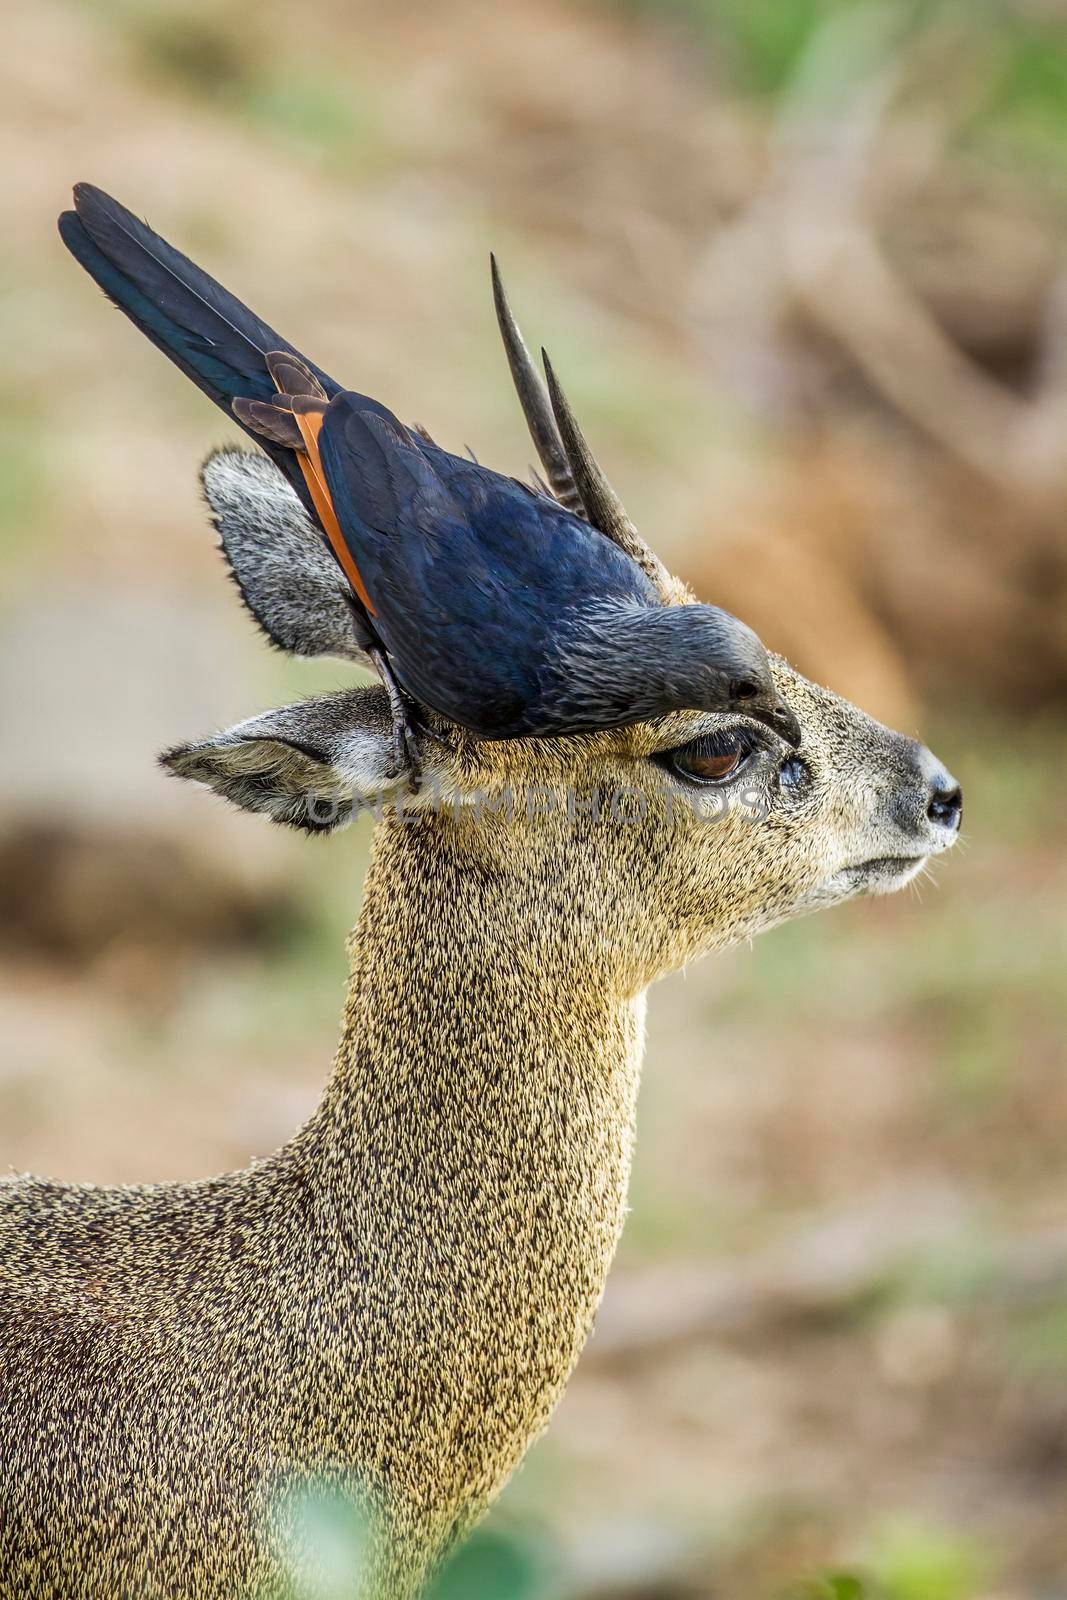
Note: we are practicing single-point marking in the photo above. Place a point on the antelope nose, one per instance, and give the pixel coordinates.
(928, 802)
(945, 805)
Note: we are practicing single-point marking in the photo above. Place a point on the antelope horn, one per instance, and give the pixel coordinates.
(534, 402)
(604, 509)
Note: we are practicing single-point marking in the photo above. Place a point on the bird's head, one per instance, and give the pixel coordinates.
(734, 659)
(646, 660)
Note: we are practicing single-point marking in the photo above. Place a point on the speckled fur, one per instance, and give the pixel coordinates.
(396, 1298)
(283, 571)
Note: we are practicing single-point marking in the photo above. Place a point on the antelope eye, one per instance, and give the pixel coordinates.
(712, 759)
(712, 768)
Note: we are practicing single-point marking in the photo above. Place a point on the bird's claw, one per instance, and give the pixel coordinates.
(407, 761)
(406, 751)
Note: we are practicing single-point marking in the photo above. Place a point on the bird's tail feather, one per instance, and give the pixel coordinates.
(206, 331)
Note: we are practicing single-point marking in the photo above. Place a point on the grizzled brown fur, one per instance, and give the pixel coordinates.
(396, 1298)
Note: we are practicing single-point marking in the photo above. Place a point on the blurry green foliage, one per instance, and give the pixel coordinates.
(835, 1586)
(493, 1564)
(1025, 115)
(913, 1561)
(328, 1540)
(907, 1561)
(203, 49)
(200, 52)
(761, 39)
(1038, 1343)
(332, 1525)
(331, 116)
(220, 56)
(757, 45)
(949, 1273)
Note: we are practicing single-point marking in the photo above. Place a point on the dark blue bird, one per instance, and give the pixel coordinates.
(489, 602)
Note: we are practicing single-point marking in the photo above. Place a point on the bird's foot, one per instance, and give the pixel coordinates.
(406, 750)
(424, 730)
(408, 762)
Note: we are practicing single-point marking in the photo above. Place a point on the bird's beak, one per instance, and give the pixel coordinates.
(783, 721)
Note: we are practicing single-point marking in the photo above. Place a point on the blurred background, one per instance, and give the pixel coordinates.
(803, 267)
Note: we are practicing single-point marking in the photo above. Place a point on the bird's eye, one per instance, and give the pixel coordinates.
(744, 690)
(711, 759)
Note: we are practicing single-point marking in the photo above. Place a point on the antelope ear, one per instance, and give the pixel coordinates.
(313, 765)
(286, 576)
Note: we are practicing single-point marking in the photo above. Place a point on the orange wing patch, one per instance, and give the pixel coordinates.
(309, 424)
(295, 418)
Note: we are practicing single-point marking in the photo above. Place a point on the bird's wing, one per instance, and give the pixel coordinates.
(459, 624)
